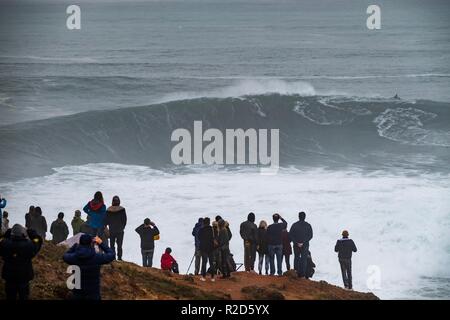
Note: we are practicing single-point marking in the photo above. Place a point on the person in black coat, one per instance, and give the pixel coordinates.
(249, 233)
(89, 261)
(345, 247)
(116, 220)
(17, 248)
(275, 243)
(197, 252)
(147, 231)
(38, 222)
(59, 229)
(206, 239)
(300, 234)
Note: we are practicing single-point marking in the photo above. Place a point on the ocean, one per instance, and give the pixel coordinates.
(93, 109)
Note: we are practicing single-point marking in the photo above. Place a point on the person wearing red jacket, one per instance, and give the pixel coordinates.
(168, 262)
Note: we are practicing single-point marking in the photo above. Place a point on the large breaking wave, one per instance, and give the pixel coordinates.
(315, 131)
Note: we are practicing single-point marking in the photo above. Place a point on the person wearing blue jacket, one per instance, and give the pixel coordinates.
(300, 234)
(89, 261)
(2, 206)
(197, 253)
(96, 211)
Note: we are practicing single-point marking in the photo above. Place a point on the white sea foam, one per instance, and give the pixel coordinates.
(407, 125)
(248, 87)
(399, 222)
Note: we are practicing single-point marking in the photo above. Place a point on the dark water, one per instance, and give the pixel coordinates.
(131, 54)
(316, 131)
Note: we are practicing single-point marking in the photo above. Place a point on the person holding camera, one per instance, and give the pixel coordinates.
(89, 261)
(149, 233)
(275, 243)
(18, 247)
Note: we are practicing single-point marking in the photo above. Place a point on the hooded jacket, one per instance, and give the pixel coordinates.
(89, 262)
(96, 212)
(301, 232)
(249, 231)
(77, 222)
(116, 219)
(59, 231)
(195, 231)
(17, 255)
(39, 224)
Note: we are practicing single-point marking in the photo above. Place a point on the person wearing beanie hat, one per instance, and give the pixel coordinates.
(345, 247)
(89, 261)
(249, 233)
(18, 247)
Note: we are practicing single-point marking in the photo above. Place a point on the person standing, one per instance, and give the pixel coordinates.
(59, 229)
(227, 226)
(77, 222)
(96, 211)
(249, 233)
(345, 247)
(263, 252)
(206, 238)
(17, 248)
(5, 222)
(287, 248)
(301, 233)
(3, 203)
(89, 261)
(275, 243)
(224, 247)
(39, 223)
(28, 215)
(197, 252)
(147, 231)
(116, 220)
